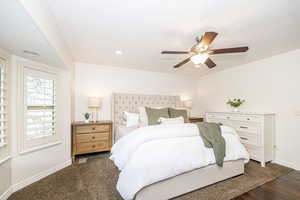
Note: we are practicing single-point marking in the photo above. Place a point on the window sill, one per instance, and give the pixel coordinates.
(3, 145)
(39, 147)
(4, 160)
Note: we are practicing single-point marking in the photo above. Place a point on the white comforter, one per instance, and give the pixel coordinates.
(154, 153)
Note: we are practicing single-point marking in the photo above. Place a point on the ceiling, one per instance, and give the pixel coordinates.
(19, 33)
(94, 30)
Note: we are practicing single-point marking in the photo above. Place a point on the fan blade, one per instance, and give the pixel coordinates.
(175, 52)
(229, 50)
(183, 62)
(210, 64)
(207, 38)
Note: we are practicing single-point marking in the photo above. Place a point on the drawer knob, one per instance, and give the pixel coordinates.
(248, 118)
(94, 128)
(93, 146)
(93, 137)
(245, 127)
(243, 138)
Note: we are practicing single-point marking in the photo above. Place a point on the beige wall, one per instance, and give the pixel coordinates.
(270, 85)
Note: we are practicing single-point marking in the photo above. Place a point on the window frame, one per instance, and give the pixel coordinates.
(37, 70)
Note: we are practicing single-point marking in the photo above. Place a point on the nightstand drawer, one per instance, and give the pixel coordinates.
(92, 128)
(92, 137)
(91, 147)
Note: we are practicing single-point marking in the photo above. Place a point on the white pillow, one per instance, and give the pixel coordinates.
(131, 119)
(176, 120)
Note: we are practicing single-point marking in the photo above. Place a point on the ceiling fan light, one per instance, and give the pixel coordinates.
(199, 58)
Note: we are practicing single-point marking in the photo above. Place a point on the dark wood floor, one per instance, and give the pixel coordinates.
(284, 188)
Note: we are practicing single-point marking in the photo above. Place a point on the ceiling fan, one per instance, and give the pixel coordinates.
(200, 52)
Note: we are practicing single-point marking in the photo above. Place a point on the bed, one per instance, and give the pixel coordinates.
(175, 185)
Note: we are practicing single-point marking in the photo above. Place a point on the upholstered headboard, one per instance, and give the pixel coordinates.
(131, 102)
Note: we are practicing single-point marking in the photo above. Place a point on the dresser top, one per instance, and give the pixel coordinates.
(244, 113)
(92, 123)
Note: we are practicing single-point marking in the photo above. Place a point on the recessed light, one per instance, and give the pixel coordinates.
(31, 53)
(118, 52)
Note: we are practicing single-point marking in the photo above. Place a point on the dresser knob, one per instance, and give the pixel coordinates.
(93, 146)
(248, 118)
(93, 137)
(94, 128)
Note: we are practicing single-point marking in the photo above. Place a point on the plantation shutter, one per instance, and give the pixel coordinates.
(40, 107)
(3, 114)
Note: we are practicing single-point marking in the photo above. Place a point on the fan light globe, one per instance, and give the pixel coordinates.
(199, 58)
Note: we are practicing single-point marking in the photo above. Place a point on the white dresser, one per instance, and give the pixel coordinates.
(256, 131)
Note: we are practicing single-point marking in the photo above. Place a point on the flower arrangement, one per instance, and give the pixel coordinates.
(235, 103)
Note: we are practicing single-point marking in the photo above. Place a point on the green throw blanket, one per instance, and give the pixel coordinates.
(212, 138)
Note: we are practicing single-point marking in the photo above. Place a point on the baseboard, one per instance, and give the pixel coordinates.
(287, 164)
(6, 194)
(39, 176)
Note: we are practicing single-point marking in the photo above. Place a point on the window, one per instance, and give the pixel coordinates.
(40, 107)
(38, 101)
(3, 96)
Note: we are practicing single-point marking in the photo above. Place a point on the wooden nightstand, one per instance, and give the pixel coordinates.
(196, 119)
(91, 137)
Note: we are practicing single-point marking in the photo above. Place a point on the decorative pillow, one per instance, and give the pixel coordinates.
(173, 113)
(177, 120)
(143, 116)
(131, 119)
(154, 114)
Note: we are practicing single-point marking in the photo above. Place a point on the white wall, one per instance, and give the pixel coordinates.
(271, 85)
(24, 169)
(95, 80)
(26, 166)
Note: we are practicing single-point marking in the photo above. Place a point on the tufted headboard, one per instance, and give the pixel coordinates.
(131, 102)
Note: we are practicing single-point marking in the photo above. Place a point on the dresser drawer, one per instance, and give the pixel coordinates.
(246, 118)
(255, 152)
(92, 128)
(89, 147)
(249, 138)
(216, 116)
(219, 121)
(250, 127)
(92, 137)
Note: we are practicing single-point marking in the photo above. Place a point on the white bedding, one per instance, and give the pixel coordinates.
(154, 153)
(121, 131)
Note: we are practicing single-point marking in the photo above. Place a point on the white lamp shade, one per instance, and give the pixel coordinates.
(188, 103)
(94, 102)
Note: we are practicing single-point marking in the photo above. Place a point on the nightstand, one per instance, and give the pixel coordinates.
(91, 137)
(196, 119)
